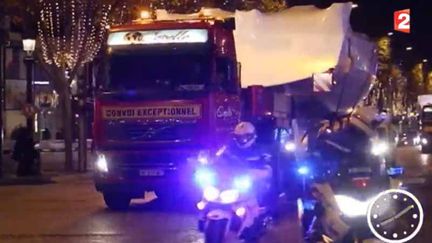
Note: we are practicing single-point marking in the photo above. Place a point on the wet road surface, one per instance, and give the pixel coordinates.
(70, 210)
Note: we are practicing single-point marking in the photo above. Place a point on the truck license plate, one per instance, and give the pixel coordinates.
(151, 172)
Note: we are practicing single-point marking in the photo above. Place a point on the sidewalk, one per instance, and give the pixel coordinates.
(52, 169)
(46, 178)
(12, 180)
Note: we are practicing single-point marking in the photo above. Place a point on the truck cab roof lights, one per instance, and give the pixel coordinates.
(158, 37)
(203, 14)
(145, 14)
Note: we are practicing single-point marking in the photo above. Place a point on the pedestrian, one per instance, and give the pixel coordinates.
(25, 154)
(46, 134)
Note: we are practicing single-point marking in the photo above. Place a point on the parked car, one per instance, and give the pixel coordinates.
(58, 145)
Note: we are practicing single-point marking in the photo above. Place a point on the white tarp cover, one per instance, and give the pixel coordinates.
(282, 47)
(424, 100)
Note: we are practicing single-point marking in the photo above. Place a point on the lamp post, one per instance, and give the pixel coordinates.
(29, 47)
(2, 85)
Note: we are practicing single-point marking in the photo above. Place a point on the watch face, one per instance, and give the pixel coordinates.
(395, 216)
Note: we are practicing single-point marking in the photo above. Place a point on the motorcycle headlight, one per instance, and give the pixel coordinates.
(205, 177)
(379, 148)
(101, 163)
(303, 170)
(229, 196)
(243, 183)
(211, 193)
(351, 207)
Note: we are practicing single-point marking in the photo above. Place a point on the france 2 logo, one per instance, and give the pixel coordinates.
(401, 21)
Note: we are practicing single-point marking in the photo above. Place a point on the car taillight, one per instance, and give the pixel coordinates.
(361, 182)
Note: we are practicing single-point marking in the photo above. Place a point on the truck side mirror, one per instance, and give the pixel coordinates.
(239, 72)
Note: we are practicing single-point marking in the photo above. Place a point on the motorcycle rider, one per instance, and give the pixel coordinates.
(244, 149)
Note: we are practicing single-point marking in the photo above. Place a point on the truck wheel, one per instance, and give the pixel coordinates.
(117, 201)
(171, 199)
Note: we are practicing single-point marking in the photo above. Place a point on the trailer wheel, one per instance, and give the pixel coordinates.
(169, 199)
(117, 201)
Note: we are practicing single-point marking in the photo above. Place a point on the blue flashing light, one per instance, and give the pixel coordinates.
(393, 171)
(303, 170)
(309, 204)
(205, 177)
(243, 183)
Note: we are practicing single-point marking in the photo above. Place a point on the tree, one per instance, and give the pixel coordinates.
(191, 6)
(70, 33)
(398, 82)
(429, 82)
(381, 93)
(417, 80)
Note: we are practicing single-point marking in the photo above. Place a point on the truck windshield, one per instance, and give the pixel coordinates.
(156, 72)
(427, 116)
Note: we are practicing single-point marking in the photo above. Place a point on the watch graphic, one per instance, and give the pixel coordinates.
(395, 216)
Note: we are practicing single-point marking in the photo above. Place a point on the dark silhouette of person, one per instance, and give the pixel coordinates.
(25, 153)
(46, 134)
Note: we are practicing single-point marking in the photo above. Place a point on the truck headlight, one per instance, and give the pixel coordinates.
(101, 163)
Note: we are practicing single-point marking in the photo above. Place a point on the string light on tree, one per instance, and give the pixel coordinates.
(71, 32)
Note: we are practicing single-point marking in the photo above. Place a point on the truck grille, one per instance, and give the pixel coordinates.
(151, 132)
(135, 161)
(160, 132)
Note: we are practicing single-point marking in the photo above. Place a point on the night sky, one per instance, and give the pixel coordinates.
(375, 18)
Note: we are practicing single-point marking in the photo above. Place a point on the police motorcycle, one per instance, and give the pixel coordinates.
(339, 191)
(229, 207)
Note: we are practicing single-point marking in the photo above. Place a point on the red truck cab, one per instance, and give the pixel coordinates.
(170, 89)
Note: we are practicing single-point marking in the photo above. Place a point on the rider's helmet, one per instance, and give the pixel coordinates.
(245, 134)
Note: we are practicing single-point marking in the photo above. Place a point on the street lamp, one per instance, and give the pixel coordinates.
(29, 47)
